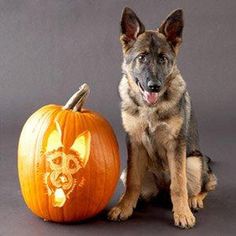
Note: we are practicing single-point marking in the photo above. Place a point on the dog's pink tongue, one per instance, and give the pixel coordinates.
(151, 98)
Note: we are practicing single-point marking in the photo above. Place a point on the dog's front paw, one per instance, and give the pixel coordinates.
(184, 219)
(120, 212)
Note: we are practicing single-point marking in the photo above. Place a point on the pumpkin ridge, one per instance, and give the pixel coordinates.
(89, 175)
(75, 134)
(105, 178)
(64, 121)
(57, 213)
(54, 114)
(38, 140)
(46, 167)
(36, 204)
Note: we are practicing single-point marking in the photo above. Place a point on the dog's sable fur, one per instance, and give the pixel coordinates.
(163, 145)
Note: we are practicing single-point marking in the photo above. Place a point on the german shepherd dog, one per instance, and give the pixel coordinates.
(163, 145)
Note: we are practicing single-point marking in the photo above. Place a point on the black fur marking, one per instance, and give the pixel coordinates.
(206, 171)
(147, 131)
(195, 153)
(129, 150)
(165, 96)
(208, 159)
(193, 137)
(182, 109)
(133, 98)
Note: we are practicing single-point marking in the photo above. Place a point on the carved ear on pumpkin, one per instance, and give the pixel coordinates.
(81, 145)
(172, 27)
(131, 27)
(54, 139)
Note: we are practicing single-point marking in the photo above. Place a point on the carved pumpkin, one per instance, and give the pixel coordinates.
(68, 161)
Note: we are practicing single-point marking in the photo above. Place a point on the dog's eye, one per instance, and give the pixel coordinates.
(162, 59)
(142, 58)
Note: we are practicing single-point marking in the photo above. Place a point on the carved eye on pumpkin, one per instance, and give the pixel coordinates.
(55, 160)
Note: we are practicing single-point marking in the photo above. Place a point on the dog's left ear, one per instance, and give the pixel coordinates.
(172, 27)
(131, 27)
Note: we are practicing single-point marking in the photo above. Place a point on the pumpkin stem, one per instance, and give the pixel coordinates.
(78, 99)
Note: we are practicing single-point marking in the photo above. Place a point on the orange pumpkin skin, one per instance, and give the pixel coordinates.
(89, 187)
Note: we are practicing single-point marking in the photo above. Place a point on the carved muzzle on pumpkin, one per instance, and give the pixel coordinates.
(59, 181)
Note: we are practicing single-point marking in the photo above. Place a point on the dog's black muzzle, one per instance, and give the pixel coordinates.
(153, 86)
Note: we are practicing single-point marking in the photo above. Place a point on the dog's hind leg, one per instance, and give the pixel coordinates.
(200, 180)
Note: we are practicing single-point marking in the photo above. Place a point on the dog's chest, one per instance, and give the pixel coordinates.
(148, 123)
(154, 133)
(155, 138)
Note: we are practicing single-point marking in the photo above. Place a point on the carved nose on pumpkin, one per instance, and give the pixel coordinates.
(63, 179)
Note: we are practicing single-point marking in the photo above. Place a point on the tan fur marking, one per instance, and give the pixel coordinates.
(179, 196)
(136, 169)
(133, 85)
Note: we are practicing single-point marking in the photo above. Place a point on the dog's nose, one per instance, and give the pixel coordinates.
(154, 86)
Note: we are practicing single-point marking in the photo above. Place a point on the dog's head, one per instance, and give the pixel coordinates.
(150, 56)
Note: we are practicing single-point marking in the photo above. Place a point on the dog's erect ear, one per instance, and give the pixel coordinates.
(82, 145)
(131, 27)
(172, 27)
(54, 139)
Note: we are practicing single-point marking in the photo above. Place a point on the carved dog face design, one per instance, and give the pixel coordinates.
(59, 181)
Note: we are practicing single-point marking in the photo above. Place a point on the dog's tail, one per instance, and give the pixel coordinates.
(211, 178)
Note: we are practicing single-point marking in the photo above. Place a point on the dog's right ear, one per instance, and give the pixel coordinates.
(131, 28)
